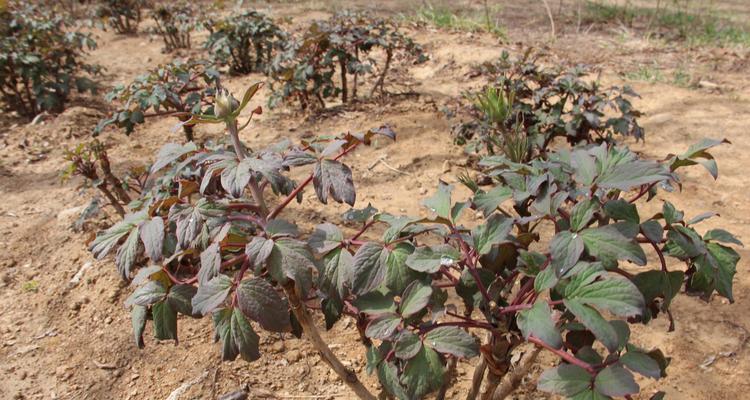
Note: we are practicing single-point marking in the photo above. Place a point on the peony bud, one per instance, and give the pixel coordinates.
(225, 104)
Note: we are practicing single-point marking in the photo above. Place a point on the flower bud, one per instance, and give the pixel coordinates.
(225, 104)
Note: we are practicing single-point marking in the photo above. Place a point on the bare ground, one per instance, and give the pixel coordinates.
(58, 341)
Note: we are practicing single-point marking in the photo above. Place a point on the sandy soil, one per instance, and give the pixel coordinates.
(65, 341)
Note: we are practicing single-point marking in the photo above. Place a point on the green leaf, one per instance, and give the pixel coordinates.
(653, 230)
(720, 235)
(211, 295)
(336, 273)
(107, 240)
(617, 295)
(494, 231)
(621, 210)
(429, 259)
(235, 177)
(383, 326)
(407, 345)
(127, 254)
(642, 364)
(594, 322)
(423, 373)
(671, 214)
(260, 302)
(152, 236)
(375, 302)
(615, 381)
(138, 317)
(210, 263)
(545, 279)
(388, 377)
(325, 238)
(440, 202)
(180, 298)
(236, 334)
(488, 202)
(452, 340)
(415, 298)
(148, 294)
(278, 227)
(620, 169)
(537, 321)
(565, 249)
(607, 244)
(165, 321)
(369, 268)
(333, 178)
(723, 261)
(171, 152)
(398, 276)
(565, 380)
(589, 394)
(244, 337)
(290, 259)
(582, 213)
(257, 251)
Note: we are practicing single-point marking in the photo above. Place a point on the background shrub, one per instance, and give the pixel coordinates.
(305, 73)
(246, 42)
(175, 23)
(121, 15)
(175, 89)
(41, 60)
(544, 103)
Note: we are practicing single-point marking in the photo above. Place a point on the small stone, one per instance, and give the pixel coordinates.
(293, 356)
(446, 166)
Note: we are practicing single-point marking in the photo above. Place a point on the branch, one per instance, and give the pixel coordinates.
(514, 380)
(302, 185)
(563, 354)
(313, 335)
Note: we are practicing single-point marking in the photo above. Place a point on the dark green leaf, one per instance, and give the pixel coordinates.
(537, 321)
(423, 373)
(290, 259)
(582, 213)
(333, 178)
(148, 294)
(369, 268)
(565, 379)
(138, 318)
(415, 298)
(407, 345)
(615, 381)
(565, 249)
(430, 258)
(325, 238)
(260, 302)
(165, 321)
(452, 340)
(621, 210)
(594, 322)
(152, 236)
(720, 235)
(642, 364)
(211, 294)
(488, 202)
(609, 245)
(383, 326)
(440, 202)
(617, 295)
(494, 231)
(180, 298)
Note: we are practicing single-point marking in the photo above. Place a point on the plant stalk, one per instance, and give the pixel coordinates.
(313, 335)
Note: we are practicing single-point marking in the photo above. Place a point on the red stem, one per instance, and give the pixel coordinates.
(564, 355)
